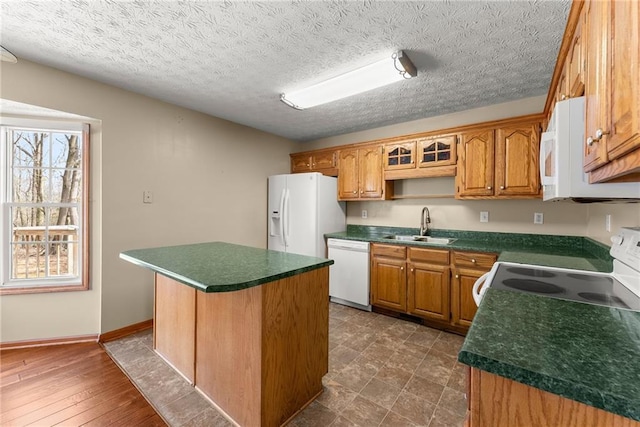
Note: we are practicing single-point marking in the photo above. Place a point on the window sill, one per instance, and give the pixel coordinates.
(42, 289)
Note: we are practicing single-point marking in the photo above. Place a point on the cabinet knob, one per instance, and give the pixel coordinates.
(489, 188)
(457, 276)
(600, 133)
(590, 141)
(563, 97)
(412, 270)
(314, 165)
(361, 191)
(355, 191)
(473, 260)
(401, 268)
(502, 187)
(307, 164)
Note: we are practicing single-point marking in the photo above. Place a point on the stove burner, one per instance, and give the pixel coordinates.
(610, 300)
(590, 278)
(535, 286)
(530, 272)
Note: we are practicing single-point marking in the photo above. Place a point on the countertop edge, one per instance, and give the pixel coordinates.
(224, 288)
(619, 405)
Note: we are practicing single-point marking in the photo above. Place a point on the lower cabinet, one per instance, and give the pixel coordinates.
(417, 281)
(467, 268)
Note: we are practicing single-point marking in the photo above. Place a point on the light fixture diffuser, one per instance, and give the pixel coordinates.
(7, 56)
(392, 69)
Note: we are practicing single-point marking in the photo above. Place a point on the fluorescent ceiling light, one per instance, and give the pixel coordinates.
(392, 69)
(7, 56)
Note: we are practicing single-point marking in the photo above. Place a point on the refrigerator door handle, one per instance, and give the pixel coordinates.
(281, 219)
(285, 219)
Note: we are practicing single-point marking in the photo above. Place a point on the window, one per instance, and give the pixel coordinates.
(44, 207)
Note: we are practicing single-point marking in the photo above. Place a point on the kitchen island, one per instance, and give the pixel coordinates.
(247, 327)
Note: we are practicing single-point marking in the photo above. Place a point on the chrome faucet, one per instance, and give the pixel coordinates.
(425, 221)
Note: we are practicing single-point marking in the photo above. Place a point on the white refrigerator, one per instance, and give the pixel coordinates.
(301, 209)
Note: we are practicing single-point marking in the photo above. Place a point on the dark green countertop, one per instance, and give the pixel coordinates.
(576, 252)
(583, 352)
(222, 267)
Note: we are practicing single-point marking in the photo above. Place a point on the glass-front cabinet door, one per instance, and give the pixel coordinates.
(401, 155)
(437, 151)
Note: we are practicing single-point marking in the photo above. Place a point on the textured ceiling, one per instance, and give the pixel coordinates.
(232, 59)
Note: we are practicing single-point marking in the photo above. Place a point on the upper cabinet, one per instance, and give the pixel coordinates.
(323, 161)
(477, 164)
(613, 102)
(421, 157)
(360, 174)
(401, 155)
(501, 162)
(599, 58)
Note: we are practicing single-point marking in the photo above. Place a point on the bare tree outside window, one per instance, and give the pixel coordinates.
(45, 173)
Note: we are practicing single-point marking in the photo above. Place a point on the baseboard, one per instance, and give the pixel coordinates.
(52, 341)
(127, 330)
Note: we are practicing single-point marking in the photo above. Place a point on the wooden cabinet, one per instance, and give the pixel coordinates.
(388, 277)
(418, 281)
(501, 162)
(422, 157)
(517, 160)
(437, 151)
(477, 164)
(400, 155)
(495, 401)
(324, 162)
(467, 268)
(360, 174)
(612, 89)
(428, 283)
(596, 29)
(575, 65)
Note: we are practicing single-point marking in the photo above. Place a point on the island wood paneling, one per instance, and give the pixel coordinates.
(261, 352)
(228, 363)
(500, 402)
(295, 334)
(175, 322)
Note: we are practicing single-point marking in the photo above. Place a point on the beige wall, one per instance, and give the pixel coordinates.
(622, 215)
(207, 175)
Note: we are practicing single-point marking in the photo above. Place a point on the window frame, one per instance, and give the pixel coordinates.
(50, 284)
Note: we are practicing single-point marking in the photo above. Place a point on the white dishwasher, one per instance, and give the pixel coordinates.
(349, 275)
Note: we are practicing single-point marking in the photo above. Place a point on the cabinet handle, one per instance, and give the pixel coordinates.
(489, 188)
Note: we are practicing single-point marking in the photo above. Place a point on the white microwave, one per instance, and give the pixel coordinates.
(561, 159)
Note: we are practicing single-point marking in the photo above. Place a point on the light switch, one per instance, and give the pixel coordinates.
(147, 196)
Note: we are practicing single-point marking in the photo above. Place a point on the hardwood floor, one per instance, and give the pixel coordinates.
(70, 385)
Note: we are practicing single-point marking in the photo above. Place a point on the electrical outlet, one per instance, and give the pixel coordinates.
(364, 213)
(147, 196)
(484, 216)
(538, 218)
(607, 222)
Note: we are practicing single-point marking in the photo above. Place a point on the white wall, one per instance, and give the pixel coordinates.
(207, 175)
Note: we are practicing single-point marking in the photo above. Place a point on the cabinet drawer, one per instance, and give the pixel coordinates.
(474, 260)
(391, 251)
(436, 256)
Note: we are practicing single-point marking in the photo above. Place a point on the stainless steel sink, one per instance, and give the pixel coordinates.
(425, 239)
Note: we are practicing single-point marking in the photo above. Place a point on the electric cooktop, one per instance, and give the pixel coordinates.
(572, 285)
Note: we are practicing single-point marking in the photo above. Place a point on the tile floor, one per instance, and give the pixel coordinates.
(382, 372)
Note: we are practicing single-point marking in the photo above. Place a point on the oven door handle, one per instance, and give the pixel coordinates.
(476, 292)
